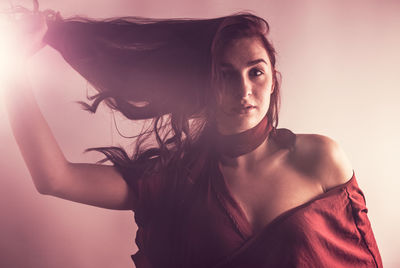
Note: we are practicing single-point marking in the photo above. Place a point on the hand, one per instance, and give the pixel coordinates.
(28, 30)
(22, 36)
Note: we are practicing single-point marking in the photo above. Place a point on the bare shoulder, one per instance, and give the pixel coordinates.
(322, 158)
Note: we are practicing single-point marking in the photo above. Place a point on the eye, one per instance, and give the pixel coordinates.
(256, 72)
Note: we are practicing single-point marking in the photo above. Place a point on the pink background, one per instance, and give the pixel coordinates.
(340, 64)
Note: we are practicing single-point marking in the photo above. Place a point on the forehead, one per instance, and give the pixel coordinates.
(240, 51)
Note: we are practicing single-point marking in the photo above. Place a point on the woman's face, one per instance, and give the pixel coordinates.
(246, 85)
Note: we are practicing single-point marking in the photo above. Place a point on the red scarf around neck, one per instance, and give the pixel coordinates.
(244, 142)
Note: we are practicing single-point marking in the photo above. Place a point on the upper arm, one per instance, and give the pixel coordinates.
(324, 159)
(93, 184)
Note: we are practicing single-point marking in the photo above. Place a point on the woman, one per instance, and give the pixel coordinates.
(225, 189)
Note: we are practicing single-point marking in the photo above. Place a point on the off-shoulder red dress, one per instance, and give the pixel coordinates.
(199, 224)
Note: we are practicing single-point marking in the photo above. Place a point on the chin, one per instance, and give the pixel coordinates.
(248, 125)
(243, 124)
(238, 123)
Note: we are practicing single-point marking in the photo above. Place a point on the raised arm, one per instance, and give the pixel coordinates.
(52, 174)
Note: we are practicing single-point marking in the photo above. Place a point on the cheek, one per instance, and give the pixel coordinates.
(265, 102)
(225, 100)
(220, 93)
(264, 98)
(264, 90)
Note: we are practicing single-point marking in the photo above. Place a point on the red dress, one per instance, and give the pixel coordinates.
(200, 225)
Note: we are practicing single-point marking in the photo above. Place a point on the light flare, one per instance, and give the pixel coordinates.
(9, 52)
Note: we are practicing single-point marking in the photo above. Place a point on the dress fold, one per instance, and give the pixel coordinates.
(198, 224)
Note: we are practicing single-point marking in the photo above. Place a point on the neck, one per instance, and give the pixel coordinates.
(249, 159)
(246, 146)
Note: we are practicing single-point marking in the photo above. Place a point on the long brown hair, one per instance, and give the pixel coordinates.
(246, 26)
(159, 69)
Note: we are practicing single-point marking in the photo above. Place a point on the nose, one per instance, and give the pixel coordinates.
(244, 89)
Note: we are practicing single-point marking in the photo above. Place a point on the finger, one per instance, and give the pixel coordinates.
(35, 6)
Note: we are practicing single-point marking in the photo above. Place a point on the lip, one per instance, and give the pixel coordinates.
(244, 109)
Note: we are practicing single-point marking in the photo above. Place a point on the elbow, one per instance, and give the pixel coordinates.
(44, 188)
(43, 191)
(47, 181)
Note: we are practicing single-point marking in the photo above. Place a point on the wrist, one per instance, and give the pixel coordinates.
(14, 74)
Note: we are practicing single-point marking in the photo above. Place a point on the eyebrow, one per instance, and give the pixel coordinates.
(250, 63)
